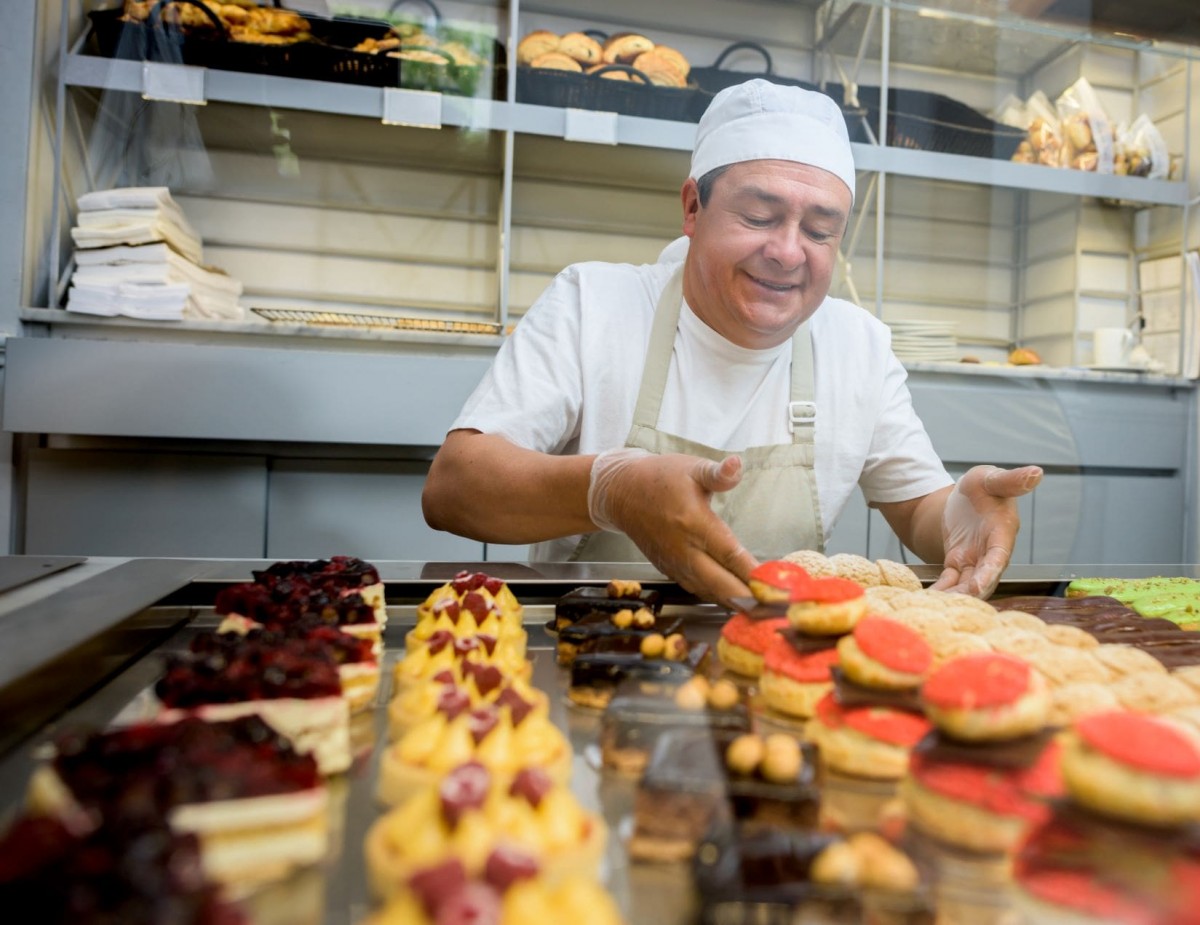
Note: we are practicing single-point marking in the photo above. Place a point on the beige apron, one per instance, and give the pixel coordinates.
(774, 509)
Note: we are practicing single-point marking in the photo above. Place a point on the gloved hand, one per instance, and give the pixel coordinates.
(979, 527)
(662, 503)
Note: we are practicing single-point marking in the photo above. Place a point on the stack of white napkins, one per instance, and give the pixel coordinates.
(136, 255)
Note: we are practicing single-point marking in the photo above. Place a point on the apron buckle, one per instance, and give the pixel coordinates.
(801, 412)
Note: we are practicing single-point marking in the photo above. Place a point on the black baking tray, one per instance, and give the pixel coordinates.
(329, 55)
(930, 122)
(634, 97)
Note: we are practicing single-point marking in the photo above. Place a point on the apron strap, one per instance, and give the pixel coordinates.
(801, 409)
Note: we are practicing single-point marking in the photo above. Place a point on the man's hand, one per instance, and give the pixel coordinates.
(979, 527)
(662, 503)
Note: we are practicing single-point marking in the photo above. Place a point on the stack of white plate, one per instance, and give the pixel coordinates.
(924, 341)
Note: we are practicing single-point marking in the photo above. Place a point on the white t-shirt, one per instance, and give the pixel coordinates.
(566, 382)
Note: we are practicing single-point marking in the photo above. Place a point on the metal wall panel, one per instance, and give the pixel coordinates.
(209, 391)
(371, 509)
(101, 503)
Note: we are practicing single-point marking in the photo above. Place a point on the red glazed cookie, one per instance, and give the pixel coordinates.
(793, 682)
(981, 807)
(1134, 767)
(827, 606)
(743, 642)
(777, 582)
(986, 696)
(885, 654)
(865, 741)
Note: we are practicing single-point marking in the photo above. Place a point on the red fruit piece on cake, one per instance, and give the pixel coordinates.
(744, 641)
(986, 696)
(885, 654)
(827, 606)
(1134, 767)
(794, 682)
(776, 582)
(980, 806)
(869, 742)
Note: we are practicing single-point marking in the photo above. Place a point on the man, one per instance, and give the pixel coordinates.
(717, 408)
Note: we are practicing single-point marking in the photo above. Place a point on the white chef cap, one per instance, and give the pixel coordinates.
(760, 120)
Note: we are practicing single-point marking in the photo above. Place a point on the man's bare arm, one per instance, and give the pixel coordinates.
(484, 487)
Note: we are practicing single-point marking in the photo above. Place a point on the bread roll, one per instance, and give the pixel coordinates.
(624, 47)
(1024, 356)
(614, 74)
(660, 71)
(536, 44)
(583, 48)
(556, 61)
(681, 63)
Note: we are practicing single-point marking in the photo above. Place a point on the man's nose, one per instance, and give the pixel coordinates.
(785, 247)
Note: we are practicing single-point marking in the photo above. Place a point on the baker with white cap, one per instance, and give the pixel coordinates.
(717, 407)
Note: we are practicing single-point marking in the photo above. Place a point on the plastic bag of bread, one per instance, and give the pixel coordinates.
(1141, 151)
(1012, 111)
(1086, 131)
(1044, 143)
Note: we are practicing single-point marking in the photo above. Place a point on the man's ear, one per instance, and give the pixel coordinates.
(690, 196)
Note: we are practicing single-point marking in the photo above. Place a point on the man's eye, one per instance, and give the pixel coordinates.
(820, 236)
(754, 222)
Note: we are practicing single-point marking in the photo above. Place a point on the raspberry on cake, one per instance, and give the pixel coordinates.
(986, 697)
(511, 891)
(827, 606)
(295, 690)
(794, 681)
(471, 812)
(777, 582)
(444, 650)
(504, 737)
(274, 602)
(258, 807)
(1134, 767)
(977, 806)
(451, 691)
(884, 654)
(61, 878)
(743, 642)
(871, 742)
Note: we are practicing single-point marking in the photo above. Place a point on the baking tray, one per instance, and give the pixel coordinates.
(147, 608)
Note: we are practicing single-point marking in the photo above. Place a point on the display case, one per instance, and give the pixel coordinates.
(392, 236)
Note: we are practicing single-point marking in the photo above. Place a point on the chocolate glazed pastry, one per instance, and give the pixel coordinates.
(1110, 621)
(582, 602)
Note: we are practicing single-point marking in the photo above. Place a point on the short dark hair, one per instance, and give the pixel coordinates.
(704, 185)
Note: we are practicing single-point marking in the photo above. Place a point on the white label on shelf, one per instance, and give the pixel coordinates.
(414, 108)
(598, 128)
(173, 83)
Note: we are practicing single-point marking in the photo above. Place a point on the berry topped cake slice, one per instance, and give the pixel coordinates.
(356, 659)
(275, 602)
(443, 650)
(296, 690)
(493, 590)
(348, 574)
(258, 807)
(61, 878)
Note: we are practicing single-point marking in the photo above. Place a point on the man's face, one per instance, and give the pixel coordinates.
(763, 249)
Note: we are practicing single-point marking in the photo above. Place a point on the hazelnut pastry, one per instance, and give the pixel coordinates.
(473, 811)
(504, 737)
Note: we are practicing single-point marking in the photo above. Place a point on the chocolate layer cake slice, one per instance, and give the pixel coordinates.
(616, 596)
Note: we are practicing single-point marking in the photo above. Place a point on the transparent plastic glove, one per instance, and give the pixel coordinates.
(663, 504)
(979, 527)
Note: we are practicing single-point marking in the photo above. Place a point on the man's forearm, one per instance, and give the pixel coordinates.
(486, 488)
(918, 523)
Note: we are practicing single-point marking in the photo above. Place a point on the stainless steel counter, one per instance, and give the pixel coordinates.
(80, 645)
